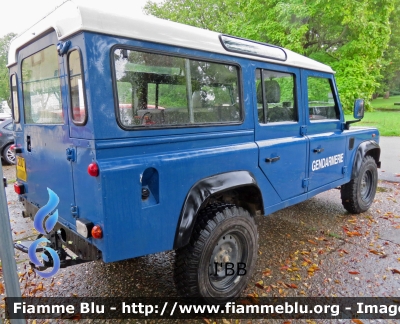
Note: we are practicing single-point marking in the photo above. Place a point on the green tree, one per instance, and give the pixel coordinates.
(4, 78)
(391, 57)
(349, 35)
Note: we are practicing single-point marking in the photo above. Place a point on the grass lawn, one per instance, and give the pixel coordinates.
(387, 122)
(386, 103)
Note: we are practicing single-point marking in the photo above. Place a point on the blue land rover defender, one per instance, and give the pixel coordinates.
(156, 136)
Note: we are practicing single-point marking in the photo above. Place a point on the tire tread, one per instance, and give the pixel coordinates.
(187, 258)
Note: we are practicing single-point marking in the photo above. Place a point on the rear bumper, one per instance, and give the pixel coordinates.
(62, 237)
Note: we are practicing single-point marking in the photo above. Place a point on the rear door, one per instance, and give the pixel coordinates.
(324, 129)
(43, 162)
(282, 147)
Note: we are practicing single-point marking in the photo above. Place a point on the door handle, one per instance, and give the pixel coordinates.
(272, 159)
(318, 150)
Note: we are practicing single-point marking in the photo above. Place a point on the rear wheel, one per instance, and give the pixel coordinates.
(9, 155)
(358, 195)
(221, 255)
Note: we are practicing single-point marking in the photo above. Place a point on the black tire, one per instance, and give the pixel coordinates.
(223, 234)
(8, 155)
(358, 194)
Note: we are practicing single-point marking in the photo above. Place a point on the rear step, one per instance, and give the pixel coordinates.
(23, 246)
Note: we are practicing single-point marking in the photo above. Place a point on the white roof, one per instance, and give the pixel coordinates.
(105, 17)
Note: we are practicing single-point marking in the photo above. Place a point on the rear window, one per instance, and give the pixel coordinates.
(14, 98)
(156, 90)
(76, 89)
(41, 88)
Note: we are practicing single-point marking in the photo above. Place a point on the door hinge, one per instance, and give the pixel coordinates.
(344, 170)
(306, 181)
(303, 130)
(70, 154)
(74, 211)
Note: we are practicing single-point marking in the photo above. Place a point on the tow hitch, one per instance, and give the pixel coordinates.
(66, 260)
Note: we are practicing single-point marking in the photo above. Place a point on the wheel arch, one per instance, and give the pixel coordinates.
(370, 148)
(227, 187)
(5, 145)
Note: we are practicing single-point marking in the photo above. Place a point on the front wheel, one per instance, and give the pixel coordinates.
(220, 258)
(358, 195)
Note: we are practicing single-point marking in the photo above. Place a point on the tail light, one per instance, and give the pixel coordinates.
(97, 232)
(87, 229)
(19, 188)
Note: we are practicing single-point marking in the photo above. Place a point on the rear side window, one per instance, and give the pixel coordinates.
(14, 98)
(321, 102)
(41, 88)
(161, 90)
(276, 97)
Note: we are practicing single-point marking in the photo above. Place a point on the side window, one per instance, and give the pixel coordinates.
(41, 88)
(76, 89)
(14, 98)
(9, 126)
(276, 98)
(161, 90)
(321, 102)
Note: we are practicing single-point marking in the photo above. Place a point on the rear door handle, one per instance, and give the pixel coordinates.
(272, 159)
(318, 150)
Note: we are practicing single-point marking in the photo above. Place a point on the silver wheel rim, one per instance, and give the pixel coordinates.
(10, 155)
(366, 186)
(230, 249)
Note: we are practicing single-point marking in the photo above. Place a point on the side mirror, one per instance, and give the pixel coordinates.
(359, 106)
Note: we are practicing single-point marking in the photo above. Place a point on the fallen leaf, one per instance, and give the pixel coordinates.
(355, 233)
(76, 317)
(260, 284)
(206, 320)
(375, 252)
(292, 286)
(395, 271)
(355, 272)
(1, 288)
(312, 242)
(267, 272)
(357, 321)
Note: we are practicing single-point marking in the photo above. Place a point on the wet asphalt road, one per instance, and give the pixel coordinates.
(390, 157)
(312, 249)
